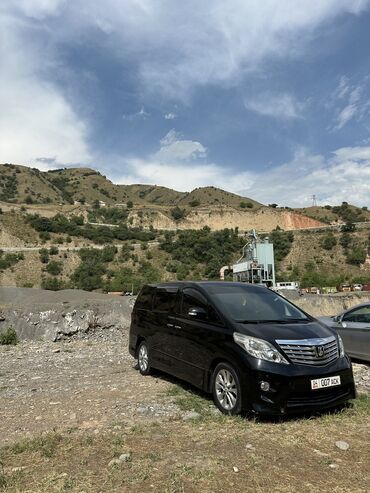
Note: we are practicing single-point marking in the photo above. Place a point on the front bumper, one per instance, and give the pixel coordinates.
(293, 394)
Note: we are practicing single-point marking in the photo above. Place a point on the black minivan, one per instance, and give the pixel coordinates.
(247, 345)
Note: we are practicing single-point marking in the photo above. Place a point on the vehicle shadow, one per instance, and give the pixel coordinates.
(249, 416)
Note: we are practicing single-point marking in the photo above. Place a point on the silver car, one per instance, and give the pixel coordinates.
(353, 325)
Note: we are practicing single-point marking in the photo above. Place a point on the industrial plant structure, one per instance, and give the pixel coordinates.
(256, 265)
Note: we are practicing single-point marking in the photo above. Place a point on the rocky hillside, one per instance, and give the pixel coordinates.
(21, 184)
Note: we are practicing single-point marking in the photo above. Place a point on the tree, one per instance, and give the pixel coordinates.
(349, 227)
(356, 256)
(328, 242)
(54, 268)
(194, 203)
(44, 255)
(178, 213)
(282, 241)
(345, 240)
(130, 204)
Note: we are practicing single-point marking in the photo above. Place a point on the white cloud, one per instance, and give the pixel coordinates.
(140, 115)
(344, 176)
(36, 119)
(180, 164)
(174, 148)
(345, 116)
(275, 105)
(357, 103)
(181, 45)
(170, 116)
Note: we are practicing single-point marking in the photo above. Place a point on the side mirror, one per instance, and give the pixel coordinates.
(197, 312)
(337, 318)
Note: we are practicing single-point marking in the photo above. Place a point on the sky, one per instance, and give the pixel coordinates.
(268, 99)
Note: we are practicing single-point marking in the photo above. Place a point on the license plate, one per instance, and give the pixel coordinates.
(322, 383)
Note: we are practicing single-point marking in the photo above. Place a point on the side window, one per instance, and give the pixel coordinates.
(213, 316)
(191, 298)
(361, 315)
(144, 300)
(164, 301)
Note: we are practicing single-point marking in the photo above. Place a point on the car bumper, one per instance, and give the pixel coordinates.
(293, 394)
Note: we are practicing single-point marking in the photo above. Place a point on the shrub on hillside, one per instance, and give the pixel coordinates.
(177, 213)
(9, 259)
(52, 284)
(8, 337)
(194, 203)
(44, 255)
(356, 256)
(328, 242)
(54, 268)
(282, 241)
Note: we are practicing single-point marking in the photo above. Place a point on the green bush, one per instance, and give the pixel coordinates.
(328, 242)
(177, 213)
(194, 203)
(282, 241)
(245, 205)
(8, 337)
(52, 284)
(44, 255)
(54, 268)
(44, 236)
(356, 256)
(9, 259)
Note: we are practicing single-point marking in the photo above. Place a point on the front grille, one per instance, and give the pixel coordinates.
(312, 352)
(322, 398)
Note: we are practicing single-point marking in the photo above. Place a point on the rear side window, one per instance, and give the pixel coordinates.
(144, 300)
(164, 301)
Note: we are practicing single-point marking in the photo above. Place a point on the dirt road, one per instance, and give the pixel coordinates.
(76, 416)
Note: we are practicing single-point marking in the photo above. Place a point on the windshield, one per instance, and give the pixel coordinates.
(249, 304)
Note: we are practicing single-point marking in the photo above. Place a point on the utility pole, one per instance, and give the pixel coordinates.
(314, 201)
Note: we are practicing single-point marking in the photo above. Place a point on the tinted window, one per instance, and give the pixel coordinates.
(248, 303)
(164, 301)
(144, 300)
(190, 299)
(361, 315)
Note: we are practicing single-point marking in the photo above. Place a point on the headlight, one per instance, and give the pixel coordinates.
(258, 348)
(341, 347)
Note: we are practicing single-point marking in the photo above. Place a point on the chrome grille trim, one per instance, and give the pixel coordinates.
(302, 351)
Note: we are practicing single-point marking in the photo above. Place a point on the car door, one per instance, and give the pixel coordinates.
(195, 340)
(164, 302)
(354, 328)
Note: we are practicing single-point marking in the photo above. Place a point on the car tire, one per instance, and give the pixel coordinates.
(143, 359)
(226, 389)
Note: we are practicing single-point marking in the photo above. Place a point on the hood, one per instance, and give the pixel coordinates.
(294, 330)
(326, 320)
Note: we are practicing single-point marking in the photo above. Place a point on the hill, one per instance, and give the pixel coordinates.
(21, 184)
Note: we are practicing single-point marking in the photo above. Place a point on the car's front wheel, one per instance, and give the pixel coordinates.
(143, 358)
(226, 389)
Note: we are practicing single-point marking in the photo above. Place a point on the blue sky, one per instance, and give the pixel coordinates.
(268, 99)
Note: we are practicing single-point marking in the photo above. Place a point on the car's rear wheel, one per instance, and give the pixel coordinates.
(226, 389)
(143, 358)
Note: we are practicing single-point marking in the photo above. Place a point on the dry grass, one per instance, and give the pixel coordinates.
(198, 456)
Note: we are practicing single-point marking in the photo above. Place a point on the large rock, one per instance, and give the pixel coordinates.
(38, 314)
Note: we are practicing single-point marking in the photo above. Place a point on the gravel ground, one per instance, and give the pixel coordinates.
(85, 384)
